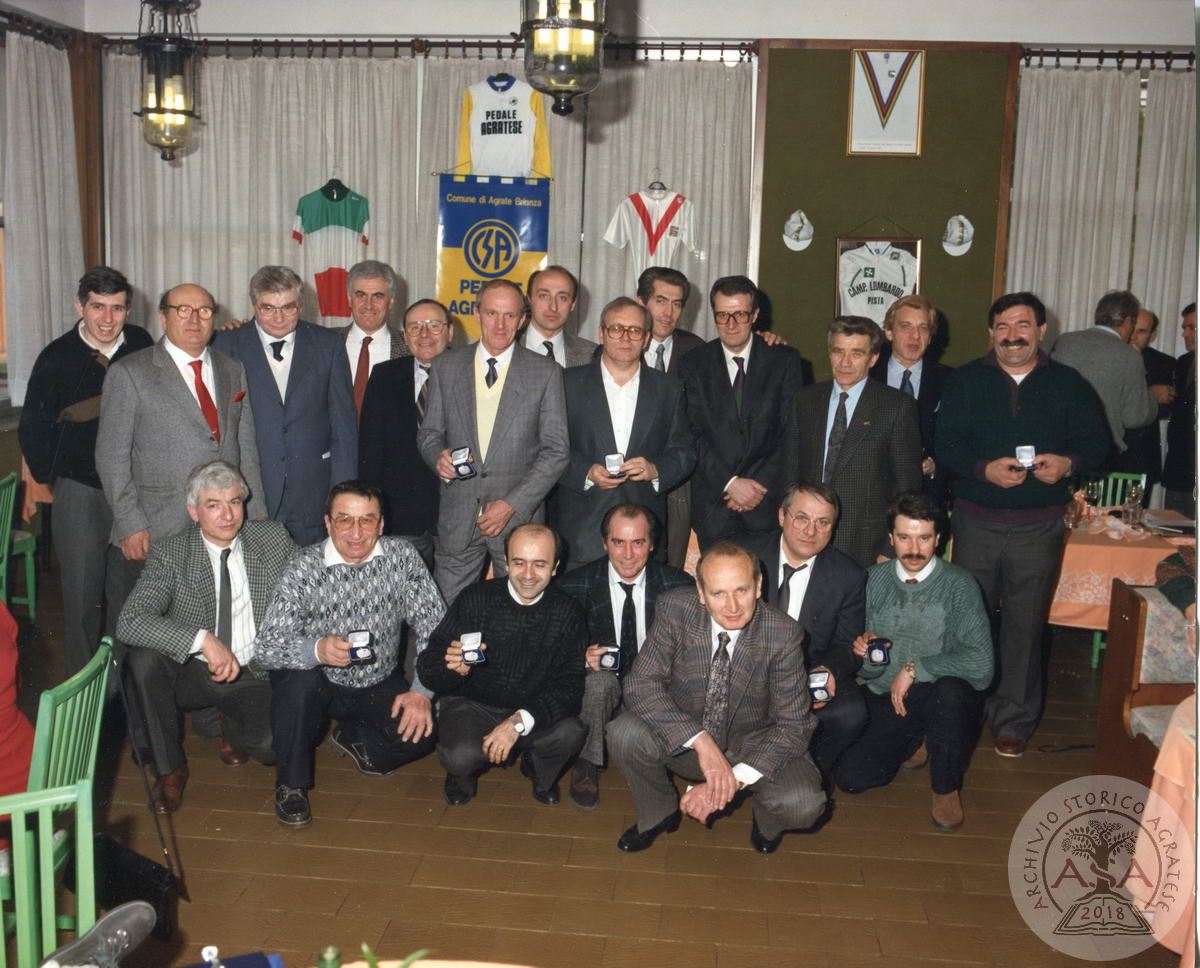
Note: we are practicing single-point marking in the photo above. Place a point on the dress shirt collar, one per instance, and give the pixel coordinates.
(783, 558)
(921, 575)
(357, 333)
(111, 351)
(267, 339)
(715, 630)
(181, 357)
(512, 593)
(214, 551)
(896, 370)
(332, 556)
(610, 381)
(1111, 332)
(502, 359)
(536, 342)
(615, 580)
(855, 392)
(744, 354)
(666, 344)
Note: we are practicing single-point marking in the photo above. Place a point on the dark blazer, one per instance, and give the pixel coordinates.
(175, 596)
(732, 445)
(308, 441)
(1143, 446)
(589, 586)
(1179, 468)
(660, 433)
(387, 450)
(834, 609)
(879, 460)
(770, 715)
(933, 378)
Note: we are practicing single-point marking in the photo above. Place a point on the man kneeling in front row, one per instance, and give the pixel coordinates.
(719, 696)
(190, 622)
(927, 658)
(507, 666)
(353, 591)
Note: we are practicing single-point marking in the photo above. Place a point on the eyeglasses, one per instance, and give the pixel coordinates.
(185, 312)
(435, 326)
(804, 522)
(288, 309)
(347, 522)
(617, 331)
(736, 317)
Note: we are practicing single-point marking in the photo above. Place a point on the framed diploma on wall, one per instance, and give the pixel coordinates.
(887, 94)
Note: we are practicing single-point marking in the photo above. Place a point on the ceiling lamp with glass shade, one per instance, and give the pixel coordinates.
(170, 65)
(564, 47)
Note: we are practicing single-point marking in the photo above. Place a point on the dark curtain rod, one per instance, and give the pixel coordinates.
(1075, 58)
(37, 29)
(446, 46)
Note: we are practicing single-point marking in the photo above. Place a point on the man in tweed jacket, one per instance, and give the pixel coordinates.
(181, 656)
(355, 581)
(755, 738)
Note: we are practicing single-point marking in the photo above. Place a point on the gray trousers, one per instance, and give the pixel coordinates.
(463, 723)
(1017, 568)
(679, 524)
(791, 800)
(455, 571)
(82, 522)
(601, 697)
(165, 688)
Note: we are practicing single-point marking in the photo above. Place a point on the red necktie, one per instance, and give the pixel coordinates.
(910, 581)
(361, 373)
(207, 407)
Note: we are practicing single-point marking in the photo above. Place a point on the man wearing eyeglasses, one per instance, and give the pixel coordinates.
(738, 389)
(369, 339)
(304, 418)
(164, 411)
(634, 448)
(824, 590)
(396, 399)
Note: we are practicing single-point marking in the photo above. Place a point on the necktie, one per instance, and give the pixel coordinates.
(716, 699)
(660, 363)
(225, 603)
(492, 376)
(906, 384)
(549, 348)
(207, 407)
(910, 581)
(836, 436)
(628, 641)
(277, 349)
(361, 372)
(785, 587)
(423, 393)
(739, 382)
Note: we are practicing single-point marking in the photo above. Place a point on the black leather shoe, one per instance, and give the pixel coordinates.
(455, 792)
(760, 843)
(550, 797)
(357, 752)
(291, 807)
(634, 840)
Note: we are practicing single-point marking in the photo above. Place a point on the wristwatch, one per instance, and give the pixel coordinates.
(518, 724)
(910, 668)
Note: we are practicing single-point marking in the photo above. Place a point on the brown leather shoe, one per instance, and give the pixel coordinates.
(166, 796)
(917, 760)
(947, 811)
(1010, 746)
(230, 756)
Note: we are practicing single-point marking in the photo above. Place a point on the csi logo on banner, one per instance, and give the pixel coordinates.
(488, 228)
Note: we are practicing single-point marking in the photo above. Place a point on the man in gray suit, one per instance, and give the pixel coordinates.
(191, 621)
(718, 696)
(165, 410)
(304, 420)
(1104, 358)
(505, 405)
(552, 294)
(370, 339)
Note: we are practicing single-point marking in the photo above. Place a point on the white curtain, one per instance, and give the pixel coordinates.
(1073, 188)
(693, 122)
(274, 129)
(43, 239)
(1164, 246)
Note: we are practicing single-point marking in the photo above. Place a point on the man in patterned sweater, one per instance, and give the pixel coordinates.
(527, 691)
(356, 581)
(925, 694)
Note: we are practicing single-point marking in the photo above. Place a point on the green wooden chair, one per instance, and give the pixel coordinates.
(15, 543)
(64, 754)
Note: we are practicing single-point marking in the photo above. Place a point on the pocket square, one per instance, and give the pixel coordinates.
(237, 397)
(326, 455)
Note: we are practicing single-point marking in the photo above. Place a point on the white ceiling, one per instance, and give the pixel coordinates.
(1113, 23)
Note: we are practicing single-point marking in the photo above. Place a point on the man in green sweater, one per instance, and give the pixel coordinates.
(1008, 513)
(924, 693)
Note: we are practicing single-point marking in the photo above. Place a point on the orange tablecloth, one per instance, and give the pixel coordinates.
(1091, 562)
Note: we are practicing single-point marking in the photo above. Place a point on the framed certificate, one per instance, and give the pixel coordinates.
(872, 273)
(887, 94)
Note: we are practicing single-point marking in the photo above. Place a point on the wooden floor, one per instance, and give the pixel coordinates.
(387, 862)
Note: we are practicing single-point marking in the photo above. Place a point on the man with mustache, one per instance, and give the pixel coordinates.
(1008, 516)
(923, 703)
